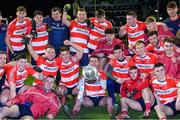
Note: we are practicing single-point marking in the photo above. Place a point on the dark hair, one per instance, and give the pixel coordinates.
(50, 76)
(159, 65)
(109, 31)
(133, 67)
(37, 12)
(172, 4)
(132, 13)
(169, 39)
(116, 47)
(21, 8)
(50, 46)
(151, 33)
(99, 13)
(20, 56)
(94, 56)
(54, 9)
(64, 48)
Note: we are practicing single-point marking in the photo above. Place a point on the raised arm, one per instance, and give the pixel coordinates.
(79, 49)
(31, 51)
(64, 17)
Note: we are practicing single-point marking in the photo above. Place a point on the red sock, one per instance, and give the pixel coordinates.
(125, 111)
(148, 105)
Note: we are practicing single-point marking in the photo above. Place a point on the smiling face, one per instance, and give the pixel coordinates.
(56, 15)
(130, 20)
(94, 62)
(119, 53)
(50, 53)
(21, 65)
(159, 72)
(133, 74)
(48, 83)
(153, 39)
(21, 15)
(172, 12)
(140, 49)
(81, 16)
(169, 48)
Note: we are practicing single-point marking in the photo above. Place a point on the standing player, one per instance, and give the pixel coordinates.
(167, 93)
(173, 22)
(41, 99)
(2, 72)
(79, 32)
(97, 30)
(161, 28)
(58, 32)
(39, 43)
(3, 28)
(16, 30)
(134, 29)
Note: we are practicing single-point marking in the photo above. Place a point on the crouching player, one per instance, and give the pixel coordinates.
(167, 93)
(40, 98)
(136, 94)
(94, 93)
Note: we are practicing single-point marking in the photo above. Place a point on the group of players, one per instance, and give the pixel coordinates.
(145, 73)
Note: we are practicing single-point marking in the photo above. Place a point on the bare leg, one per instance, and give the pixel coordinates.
(149, 100)
(12, 111)
(27, 118)
(5, 96)
(62, 91)
(163, 111)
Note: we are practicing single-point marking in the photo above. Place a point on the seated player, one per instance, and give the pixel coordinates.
(69, 70)
(33, 103)
(118, 71)
(166, 91)
(94, 92)
(2, 72)
(136, 94)
(16, 76)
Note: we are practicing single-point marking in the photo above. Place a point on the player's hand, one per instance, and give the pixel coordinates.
(50, 116)
(174, 60)
(67, 42)
(9, 103)
(67, 7)
(120, 81)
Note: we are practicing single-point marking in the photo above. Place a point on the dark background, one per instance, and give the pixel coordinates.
(8, 7)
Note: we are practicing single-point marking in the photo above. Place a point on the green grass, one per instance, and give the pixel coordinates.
(97, 113)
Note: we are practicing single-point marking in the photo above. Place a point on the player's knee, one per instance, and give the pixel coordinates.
(157, 107)
(178, 107)
(4, 100)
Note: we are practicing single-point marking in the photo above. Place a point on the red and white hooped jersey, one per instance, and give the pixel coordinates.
(69, 73)
(95, 89)
(40, 43)
(79, 34)
(15, 76)
(121, 69)
(16, 30)
(136, 33)
(1, 72)
(166, 91)
(145, 64)
(48, 67)
(98, 31)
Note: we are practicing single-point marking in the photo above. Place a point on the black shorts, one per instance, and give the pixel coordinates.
(172, 105)
(96, 100)
(69, 90)
(142, 103)
(24, 109)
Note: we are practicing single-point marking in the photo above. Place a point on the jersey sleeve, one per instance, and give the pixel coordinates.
(55, 105)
